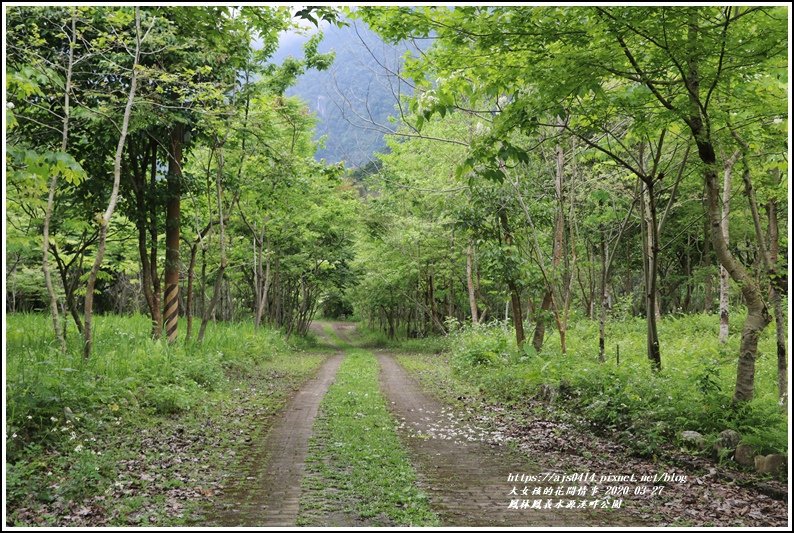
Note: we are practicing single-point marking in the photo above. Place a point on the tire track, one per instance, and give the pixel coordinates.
(268, 493)
(466, 478)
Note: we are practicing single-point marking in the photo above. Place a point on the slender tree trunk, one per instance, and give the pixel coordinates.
(561, 315)
(278, 291)
(602, 315)
(222, 268)
(724, 225)
(139, 186)
(105, 221)
(518, 318)
(774, 232)
(450, 297)
(757, 314)
(70, 287)
(470, 284)
(54, 314)
(781, 325)
(688, 274)
(266, 282)
(540, 321)
(708, 283)
(257, 257)
(515, 296)
(390, 319)
(304, 304)
(190, 275)
(157, 315)
(771, 271)
(146, 270)
(432, 297)
(652, 260)
(557, 248)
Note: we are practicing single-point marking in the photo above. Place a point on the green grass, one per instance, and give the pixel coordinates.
(646, 409)
(90, 434)
(370, 338)
(356, 462)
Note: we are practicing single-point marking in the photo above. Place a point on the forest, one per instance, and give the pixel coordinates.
(578, 226)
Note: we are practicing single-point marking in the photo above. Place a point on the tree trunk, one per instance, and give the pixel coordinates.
(724, 225)
(104, 222)
(708, 283)
(540, 321)
(557, 247)
(781, 326)
(757, 314)
(190, 275)
(688, 274)
(70, 286)
(771, 271)
(518, 317)
(602, 315)
(265, 282)
(257, 257)
(45, 265)
(390, 319)
(172, 228)
(222, 268)
(515, 296)
(652, 260)
(433, 308)
(157, 315)
(774, 233)
(470, 284)
(147, 269)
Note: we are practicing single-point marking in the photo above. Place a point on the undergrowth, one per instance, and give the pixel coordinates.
(61, 407)
(647, 409)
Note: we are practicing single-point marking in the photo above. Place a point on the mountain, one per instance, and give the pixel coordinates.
(356, 91)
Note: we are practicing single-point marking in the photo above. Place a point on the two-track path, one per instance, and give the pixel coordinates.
(465, 478)
(270, 493)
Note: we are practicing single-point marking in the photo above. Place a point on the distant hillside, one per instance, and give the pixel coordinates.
(355, 84)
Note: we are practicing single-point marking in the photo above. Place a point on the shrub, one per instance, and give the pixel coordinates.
(692, 392)
(480, 346)
(128, 370)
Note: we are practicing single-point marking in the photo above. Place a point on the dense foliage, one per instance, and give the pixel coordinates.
(554, 164)
(265, 231)
(558, 181)
(624, 398)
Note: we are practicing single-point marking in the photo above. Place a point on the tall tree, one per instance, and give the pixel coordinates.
(72, 38)
(725, 227)
(105, 218)
(670, 65)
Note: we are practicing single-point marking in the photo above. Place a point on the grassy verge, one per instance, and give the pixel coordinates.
(143, 433)
(371, 339)
(357, 470)
(646, 410)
